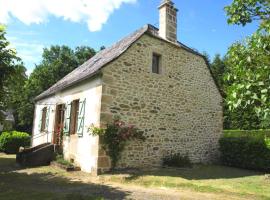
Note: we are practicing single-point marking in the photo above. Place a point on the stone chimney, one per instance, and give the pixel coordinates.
(168, 20)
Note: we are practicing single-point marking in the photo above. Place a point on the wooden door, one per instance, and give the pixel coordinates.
(59, 125)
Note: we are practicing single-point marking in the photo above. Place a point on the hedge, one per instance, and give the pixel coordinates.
(237, 133)
(10, 142)
(246, 149)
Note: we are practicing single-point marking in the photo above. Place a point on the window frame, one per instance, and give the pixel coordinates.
(156, 69)
(74, 113)
(43, 119)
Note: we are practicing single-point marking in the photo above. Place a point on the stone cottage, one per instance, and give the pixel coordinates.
(152, 81)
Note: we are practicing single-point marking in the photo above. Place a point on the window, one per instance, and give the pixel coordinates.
(156, 63)
(43, 119)
(74, 116)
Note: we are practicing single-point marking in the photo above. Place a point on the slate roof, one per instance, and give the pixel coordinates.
(93, 65)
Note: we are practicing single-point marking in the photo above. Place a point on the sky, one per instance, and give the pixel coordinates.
(33, 25)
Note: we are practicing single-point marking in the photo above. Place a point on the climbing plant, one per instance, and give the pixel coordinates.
(115, 136)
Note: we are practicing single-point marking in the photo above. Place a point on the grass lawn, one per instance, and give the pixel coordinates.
(201, 182)
(206, 179)
(42, 183)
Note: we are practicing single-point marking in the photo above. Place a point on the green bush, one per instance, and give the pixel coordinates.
(10, 142)
(177, 160)
(60, 159)
(246, 149)
(240, 133)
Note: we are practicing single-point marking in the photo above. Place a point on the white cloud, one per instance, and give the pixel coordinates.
(29, 52)
(93, 12)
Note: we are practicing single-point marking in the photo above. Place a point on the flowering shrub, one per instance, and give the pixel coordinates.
(115, 136)
(59, 135)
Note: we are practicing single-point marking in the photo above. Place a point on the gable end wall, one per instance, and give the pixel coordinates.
(179, 111)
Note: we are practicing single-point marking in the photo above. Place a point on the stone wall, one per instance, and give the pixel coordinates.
(179, 110)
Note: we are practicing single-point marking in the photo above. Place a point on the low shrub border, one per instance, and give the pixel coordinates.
(237, 133)
(64, 164)
(177, 160)
(246, 149)
(10, 142)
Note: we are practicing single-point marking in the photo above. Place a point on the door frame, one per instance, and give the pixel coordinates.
(59, 117)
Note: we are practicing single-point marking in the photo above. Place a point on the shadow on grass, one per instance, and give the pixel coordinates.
(8, 164)
(198, 172)
(42, 186)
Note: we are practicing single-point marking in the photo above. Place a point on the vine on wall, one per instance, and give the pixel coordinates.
(115, 137)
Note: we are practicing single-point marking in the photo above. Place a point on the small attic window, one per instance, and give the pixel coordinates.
(156, 63)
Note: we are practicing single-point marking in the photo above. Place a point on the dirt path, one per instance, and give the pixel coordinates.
(141, 193)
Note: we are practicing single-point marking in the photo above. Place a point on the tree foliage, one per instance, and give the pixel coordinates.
(242, 12)
(218, 69)
(248, 76)
(11, 73)
(7, 58)
(237, 118)
(248, 68)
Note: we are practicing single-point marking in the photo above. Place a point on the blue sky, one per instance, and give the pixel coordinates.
(201, 25)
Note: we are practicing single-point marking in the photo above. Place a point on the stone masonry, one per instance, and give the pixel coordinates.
(179, 110)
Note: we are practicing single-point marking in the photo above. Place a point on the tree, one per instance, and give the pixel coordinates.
(249, 77)
(8, 63)
(218, 70)
(57, 62)
(102, 48)
(207, 57)
(84, 53)
(242, 12)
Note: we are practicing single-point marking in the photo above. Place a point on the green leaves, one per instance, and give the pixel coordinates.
(248, 72)
(242, 12)
(2, 28)
(11, 71)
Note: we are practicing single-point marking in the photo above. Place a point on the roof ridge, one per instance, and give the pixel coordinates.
(102, 58)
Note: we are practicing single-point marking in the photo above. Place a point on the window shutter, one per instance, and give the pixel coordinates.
(40, 120)
(67, 118)
(47, 118)
(80, 126)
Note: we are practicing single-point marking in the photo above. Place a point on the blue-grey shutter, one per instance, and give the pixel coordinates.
(80, 125)
(67, 118)
(47, 118)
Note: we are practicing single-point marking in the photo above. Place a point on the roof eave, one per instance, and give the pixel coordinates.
(40, 97)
